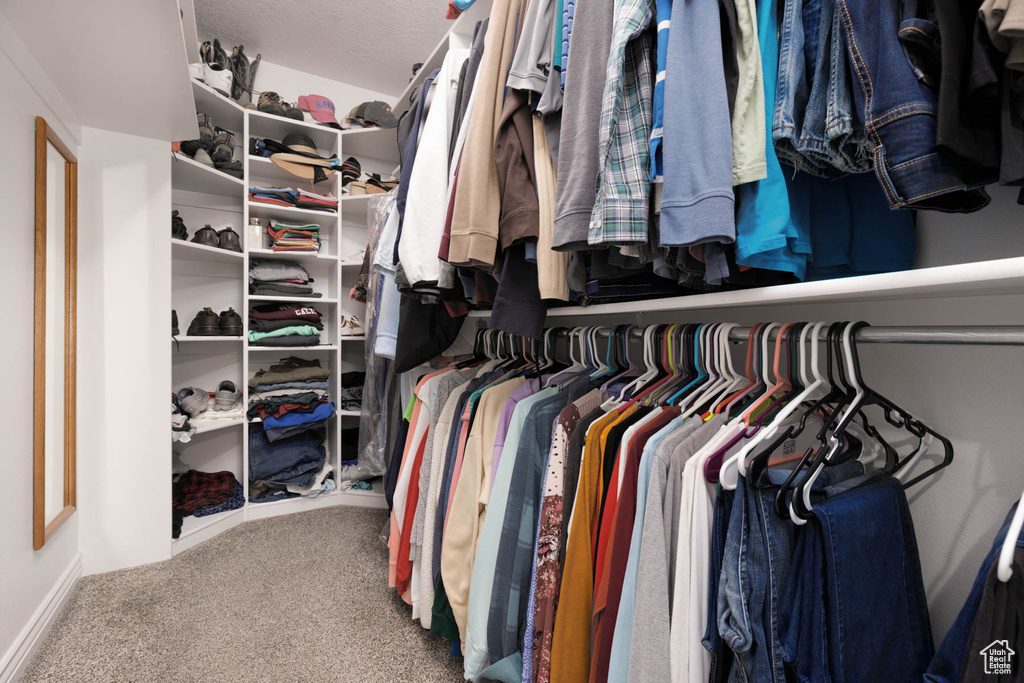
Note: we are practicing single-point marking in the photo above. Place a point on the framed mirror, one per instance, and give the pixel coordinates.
(56, 285)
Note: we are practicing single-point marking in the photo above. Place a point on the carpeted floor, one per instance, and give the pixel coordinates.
(302, 597)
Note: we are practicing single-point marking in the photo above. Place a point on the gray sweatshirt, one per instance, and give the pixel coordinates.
(581, 118)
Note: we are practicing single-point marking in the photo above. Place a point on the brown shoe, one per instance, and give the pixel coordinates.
(228, 239)
(206, 236)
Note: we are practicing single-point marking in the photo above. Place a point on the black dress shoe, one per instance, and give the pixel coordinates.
(230, 323)
(206, 236)
(228, 239)
(205, 324)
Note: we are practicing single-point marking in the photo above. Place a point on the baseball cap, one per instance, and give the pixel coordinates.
(321, 109)
(374, 113)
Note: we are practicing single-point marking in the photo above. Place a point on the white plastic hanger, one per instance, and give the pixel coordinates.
(642, 380)
(807, 485)
(728, 475)
(1004, 570)
(811, 388)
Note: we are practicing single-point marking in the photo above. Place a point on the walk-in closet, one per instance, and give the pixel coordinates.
(533, 341)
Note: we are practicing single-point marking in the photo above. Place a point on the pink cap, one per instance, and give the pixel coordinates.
(320, 107)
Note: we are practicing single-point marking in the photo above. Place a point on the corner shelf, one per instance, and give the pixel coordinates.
(207, 426)
(291, 299)
(291, 213)
(190, 175)
(213, 191)
(264, 167)
(204, 338)
(320, 347)
(263, 125)
(297, 255)
(191, 251)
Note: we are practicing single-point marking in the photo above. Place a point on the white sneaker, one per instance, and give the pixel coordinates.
(218, 80)
(351, 327)
(357, 257)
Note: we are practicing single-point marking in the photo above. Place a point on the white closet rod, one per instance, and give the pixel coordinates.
(952, 335)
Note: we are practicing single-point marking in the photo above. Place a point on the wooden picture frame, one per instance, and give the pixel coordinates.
(42, 528)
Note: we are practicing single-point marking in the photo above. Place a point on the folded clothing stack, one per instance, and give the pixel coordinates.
(352, 390)
(284, 325)
(287, 457)
(305, 199)
(285, 196)
(203, 493)
(300, 238)
(276, 277)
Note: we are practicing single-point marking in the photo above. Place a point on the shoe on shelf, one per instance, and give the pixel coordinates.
(351, 327)
(356, 187)
(205, 324)
(270, 103)
(193, 400)
(203, 157)
(228, 239)
(174, 324)
(226, 396)
(356, 257)
(178, 229)
(223, 145)
(206, 236)
(230, 323)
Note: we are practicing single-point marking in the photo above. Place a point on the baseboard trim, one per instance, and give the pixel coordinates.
(12, 666)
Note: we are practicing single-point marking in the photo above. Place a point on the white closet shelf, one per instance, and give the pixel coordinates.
(224, 112)
(353, 337)
(321, 347)
(192, 176)
(373, 498)
(356, 208)
(1001, 276)
(195, 530)
(351, 264)
(292, 214)
(350, 413)
(380, 144)
(291, 299)
(296, 255)
(290, 505)
(276, 127)
(263, 167)
(191, 251)
(207, 426)
(210, 338)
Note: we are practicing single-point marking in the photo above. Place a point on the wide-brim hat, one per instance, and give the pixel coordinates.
(303, 159)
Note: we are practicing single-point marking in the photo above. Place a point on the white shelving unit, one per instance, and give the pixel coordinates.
(216, 278)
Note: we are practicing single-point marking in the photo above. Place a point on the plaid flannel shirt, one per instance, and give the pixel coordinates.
(621, 212)
(195, 490)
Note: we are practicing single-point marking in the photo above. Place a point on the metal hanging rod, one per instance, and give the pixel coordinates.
(950, 335)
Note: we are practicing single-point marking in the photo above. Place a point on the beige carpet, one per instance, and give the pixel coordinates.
(296, 598)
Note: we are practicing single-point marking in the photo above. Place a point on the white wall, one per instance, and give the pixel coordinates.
(27, 576)
(125, 300)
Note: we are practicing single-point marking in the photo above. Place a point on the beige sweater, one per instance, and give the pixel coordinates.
(462, 528)
(474, 234)
(551, 265)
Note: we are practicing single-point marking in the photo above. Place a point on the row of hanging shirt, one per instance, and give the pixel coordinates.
(677, 520)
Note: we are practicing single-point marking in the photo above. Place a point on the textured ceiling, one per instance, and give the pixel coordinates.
(369, 44)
